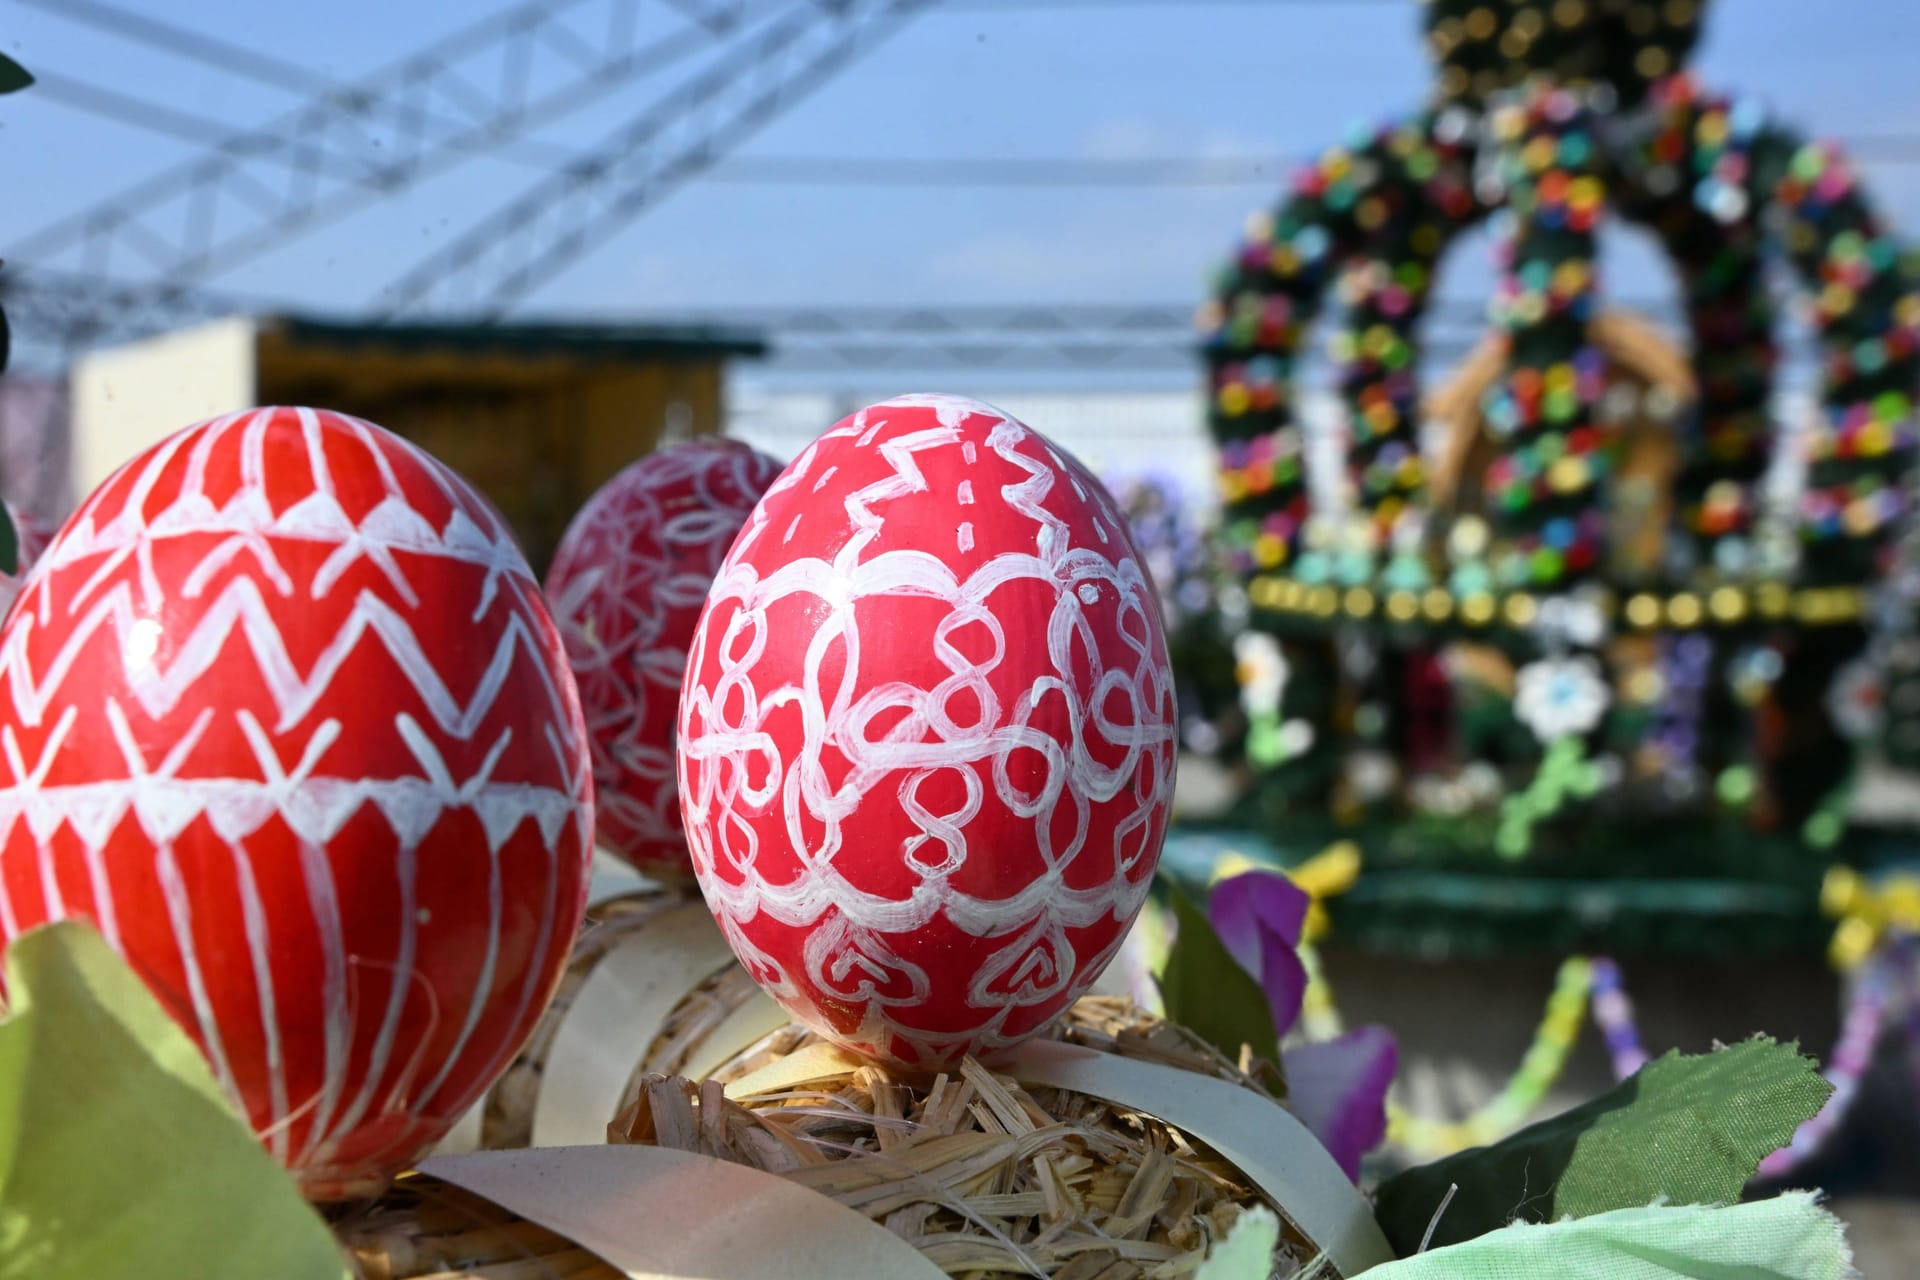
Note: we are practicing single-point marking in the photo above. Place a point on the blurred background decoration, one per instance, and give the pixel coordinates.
(1560, 648)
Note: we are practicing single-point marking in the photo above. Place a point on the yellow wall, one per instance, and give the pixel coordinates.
(130, 397)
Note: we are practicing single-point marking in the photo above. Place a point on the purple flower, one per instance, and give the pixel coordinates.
(1338, 1088)
(1258, 917)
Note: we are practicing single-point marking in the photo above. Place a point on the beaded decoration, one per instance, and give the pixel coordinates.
(1555, 119)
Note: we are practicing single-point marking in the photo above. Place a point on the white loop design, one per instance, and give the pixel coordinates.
(626, 588)
(927, 732)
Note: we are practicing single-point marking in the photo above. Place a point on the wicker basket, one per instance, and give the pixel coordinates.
(719, 1014)
(983, 1176)
(425, 1230)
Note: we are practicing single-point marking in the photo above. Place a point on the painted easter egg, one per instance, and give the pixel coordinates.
(927, 733)
(626, 589)
(288, 720)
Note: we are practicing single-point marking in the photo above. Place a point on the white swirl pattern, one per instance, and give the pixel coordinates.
(928, 733)
(626, 588)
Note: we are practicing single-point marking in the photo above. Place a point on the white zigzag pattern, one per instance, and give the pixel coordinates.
(314, 806)
(240, 606)
(850, 958)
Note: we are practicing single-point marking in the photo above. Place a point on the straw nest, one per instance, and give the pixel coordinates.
(507, 1122)
(984, 1176)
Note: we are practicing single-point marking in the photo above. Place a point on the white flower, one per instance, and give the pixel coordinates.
(1371, 774)
(1572, 620)
(1262, 669)
(1560, 697)
(1857, 699)
(1296, 739)
(1482, 781)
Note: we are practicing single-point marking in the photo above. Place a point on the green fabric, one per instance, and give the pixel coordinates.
(1685, 1130)
(13, 76)
(1207, 993)
(119, 1157)
(1787, 1238)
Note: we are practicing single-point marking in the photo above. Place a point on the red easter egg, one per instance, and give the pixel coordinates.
(927, 733)
(626, 588)
(286, 718)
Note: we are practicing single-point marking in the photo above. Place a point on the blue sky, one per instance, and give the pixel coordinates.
(1180, 78)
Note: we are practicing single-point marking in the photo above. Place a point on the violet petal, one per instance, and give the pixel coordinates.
(1242, 906)
(1338, 1089)
(1283, 976)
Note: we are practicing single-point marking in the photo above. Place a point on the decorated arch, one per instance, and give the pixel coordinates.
(1468, 632)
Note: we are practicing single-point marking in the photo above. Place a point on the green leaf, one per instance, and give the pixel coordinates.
(13, 76)
(119, 1156)
(1789, 1237)
(1247, 1252)
(1210, 995)
(9, 536)
(1686, 1129)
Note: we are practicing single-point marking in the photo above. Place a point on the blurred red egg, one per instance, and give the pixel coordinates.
(626, 589)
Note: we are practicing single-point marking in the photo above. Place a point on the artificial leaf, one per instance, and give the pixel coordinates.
(1247, 1251)
(1205, 991)
(1684, 1129)
(9, 542)
(13, 76)
(1789, 1237)
(119, 1156)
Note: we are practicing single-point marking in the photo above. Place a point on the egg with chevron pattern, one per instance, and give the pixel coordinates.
(285, 717)
(927, 733)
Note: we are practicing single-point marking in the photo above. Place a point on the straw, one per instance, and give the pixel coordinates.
(508, 1119)
(425, 1230)
(983, 1176)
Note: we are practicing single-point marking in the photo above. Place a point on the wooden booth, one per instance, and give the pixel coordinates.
(537, 416)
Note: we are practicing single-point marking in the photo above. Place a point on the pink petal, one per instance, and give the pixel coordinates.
(1338, 1088)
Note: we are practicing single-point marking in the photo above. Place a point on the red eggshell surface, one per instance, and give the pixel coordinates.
(286, 718)
(626, 588)
(927, 733)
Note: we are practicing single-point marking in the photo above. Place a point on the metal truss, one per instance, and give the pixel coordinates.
(61, 312)
(477, 91)
(496, 263)
(55, 313)
(1117, 338)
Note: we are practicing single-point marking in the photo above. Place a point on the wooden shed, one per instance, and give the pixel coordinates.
(537, 416)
